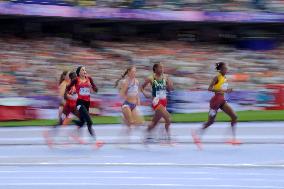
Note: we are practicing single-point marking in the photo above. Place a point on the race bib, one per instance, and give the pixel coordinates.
(74, 97)
(225, 86)
(161, 94)
(84, 91)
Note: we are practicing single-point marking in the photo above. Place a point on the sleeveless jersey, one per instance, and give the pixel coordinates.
(83, 89)
(222, 83)
(159, 87)
(133, 88)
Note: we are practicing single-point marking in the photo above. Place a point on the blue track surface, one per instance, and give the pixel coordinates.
(135, 166)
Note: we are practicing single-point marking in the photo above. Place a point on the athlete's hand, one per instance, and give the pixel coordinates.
(95, 89)
(229, 90)
(155, 101)
(69, 96)
(146, 94)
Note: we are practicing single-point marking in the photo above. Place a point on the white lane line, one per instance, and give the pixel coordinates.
(62, 156)
(74, 171)
(113, 156)
(135, 185)
(72, 178)
(140, 172)
(241, 125)
(142, 164)
(107, 177)
(181, 136)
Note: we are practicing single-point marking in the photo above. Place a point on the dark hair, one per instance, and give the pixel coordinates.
(62, 76)
(123, 75)
(155, 66)
(72, 75)
(78, 70)
(219, 65)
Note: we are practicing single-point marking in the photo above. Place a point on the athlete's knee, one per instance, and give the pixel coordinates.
(81, 120)
(139, 122)
(90, 126)
(167, 120)
(212, 113)
(80, 123)
(89, 121)
(88, 118)
(127, 120)
(132, 123)
(151, 126)
(84, 113)
(208, 123)
(234, 118)
(60, 122)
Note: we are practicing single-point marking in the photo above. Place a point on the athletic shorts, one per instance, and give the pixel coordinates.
(216, 102)
(69, 108)
(157, 102)
(81, 102)
(129, 104)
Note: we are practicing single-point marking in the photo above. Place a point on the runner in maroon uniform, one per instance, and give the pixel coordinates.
(68, 104)
(219, 86)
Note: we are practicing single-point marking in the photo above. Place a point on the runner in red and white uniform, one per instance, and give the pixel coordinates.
(84, 85)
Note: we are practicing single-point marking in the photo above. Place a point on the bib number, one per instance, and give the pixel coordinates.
(161, 94)
(225, 86)
(84, 91)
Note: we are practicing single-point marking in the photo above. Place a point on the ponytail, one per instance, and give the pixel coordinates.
(122, 76)
(62, 76)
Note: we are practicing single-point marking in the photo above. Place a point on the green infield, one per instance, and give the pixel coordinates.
(243, 116)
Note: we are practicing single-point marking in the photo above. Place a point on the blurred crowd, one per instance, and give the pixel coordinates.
(31, 67)
(200, 5)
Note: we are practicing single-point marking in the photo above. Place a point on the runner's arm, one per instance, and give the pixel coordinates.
(146, 82)
(123, 89)
(69, 87)
(94, 87)
(170, 85)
